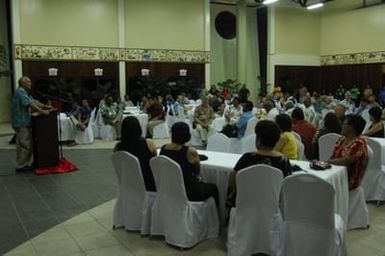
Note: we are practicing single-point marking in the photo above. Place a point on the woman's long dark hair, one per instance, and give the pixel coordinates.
(131, 134)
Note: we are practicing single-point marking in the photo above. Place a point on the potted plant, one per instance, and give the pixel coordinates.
(231, 85)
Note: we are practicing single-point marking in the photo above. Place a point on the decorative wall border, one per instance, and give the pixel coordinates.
(78, 53)
(354, 58)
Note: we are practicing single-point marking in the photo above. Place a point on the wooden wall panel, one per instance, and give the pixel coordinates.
(326, 79)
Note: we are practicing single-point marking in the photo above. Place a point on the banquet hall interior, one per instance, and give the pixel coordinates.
(76, 50)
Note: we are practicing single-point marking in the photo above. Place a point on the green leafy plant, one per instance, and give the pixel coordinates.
(232, 86)
(3, 63)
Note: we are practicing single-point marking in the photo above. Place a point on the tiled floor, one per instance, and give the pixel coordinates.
(54, 214)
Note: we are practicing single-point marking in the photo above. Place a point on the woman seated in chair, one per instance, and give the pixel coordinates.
(144, 149)
(376, 129)
(188, 159)
(287, 143)
(351, 150)
(268, 134)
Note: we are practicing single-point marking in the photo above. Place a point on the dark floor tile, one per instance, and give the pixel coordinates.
(39, 225)
(46, 200)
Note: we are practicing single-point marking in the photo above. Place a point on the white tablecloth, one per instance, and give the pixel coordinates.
(142, 117)
(219, 165)
(382, 142)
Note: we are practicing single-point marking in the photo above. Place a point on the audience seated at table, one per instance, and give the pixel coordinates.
(271, 111)
(156, 115)
(267, 135)
(351, 150)
(132, 142)
(203, 117)
(376, 129)
(112, 115)
(241, 125)
(364, 105)
(218, 105)
(349, 103)
(287, 143)
(234, 111)
(309, 111)
(340, 111)
(84, 115)
(305, 129)
(188, 159)
(127, 102)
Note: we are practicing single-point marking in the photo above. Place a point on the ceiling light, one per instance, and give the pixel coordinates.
(269, 1)
(315, 6)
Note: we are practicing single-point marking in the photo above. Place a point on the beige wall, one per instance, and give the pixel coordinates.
(165, 24)
(353, 31)
(154, 24)
(297, 31)
(69, 22)
(5, 82)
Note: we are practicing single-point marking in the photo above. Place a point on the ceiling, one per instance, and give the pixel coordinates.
(335, 5)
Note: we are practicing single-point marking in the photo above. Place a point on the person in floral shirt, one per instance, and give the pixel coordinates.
(203, 117)
(351, 150)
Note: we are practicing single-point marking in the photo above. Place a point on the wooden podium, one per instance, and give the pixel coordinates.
(45, 140)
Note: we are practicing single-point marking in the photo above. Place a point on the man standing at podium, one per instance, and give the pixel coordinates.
(22, 103)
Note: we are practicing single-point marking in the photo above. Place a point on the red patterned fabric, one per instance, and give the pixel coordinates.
(359, 151)
(63, 166)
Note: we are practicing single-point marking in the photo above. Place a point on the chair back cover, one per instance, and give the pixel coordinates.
(309, 219)
(219, 142)
(326, 145)
(297, 136)
(248, 143)
(373, 181)
(300, 150)
(183, 223)
(132, 191)
(250, 128)
(255, 221)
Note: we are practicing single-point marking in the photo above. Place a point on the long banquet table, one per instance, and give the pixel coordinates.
(218, 166)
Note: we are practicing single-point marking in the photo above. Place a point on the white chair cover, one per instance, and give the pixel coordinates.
(250, 128)
(86, 136)
(248, 143)
(365, 115)
(133, 205)
(326, 145)
(301, 150)
(195, 138)
(253, 228)
(358, 210)
(66, 127)
(219, 142)
(218, 123)
(106, 132)
(94, 124)
(310, 225)
(161, 131)
(183, 223)
(373, 182)
(297, 136)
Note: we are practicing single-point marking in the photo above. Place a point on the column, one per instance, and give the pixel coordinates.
(121, 34)
(242, 41)
(17, 64)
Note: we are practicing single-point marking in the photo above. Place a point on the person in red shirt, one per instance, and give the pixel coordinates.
(305, 129)
(351, 150)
